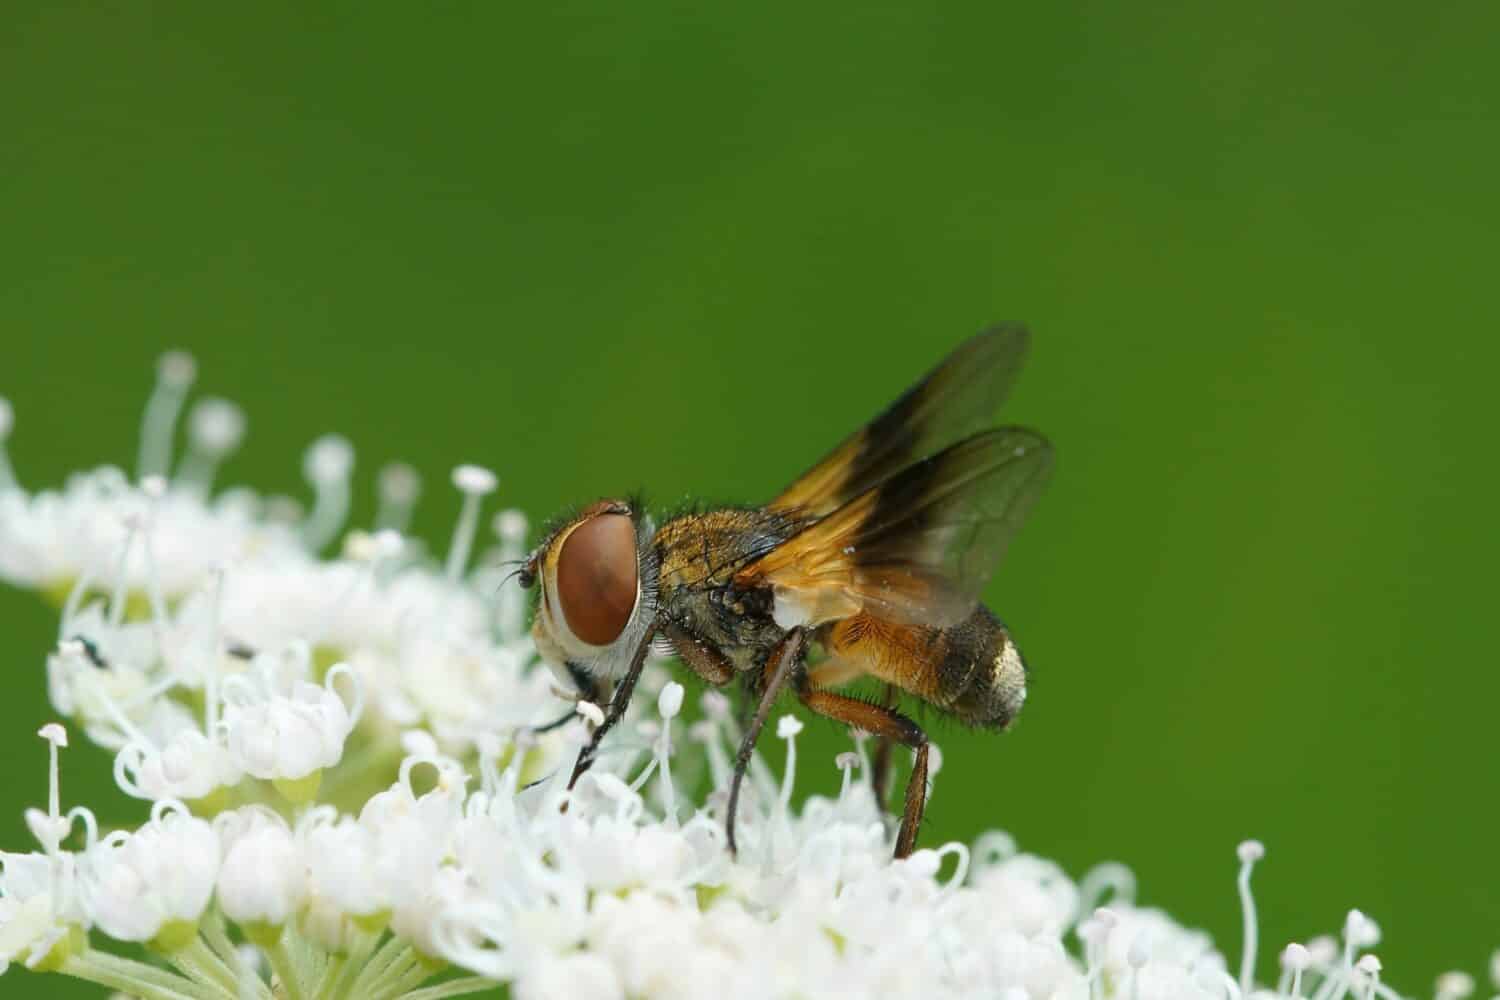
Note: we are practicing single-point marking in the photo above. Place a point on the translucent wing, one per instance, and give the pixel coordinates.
(917, 548)
(956, 399)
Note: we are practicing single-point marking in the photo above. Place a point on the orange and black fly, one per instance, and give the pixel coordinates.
(873, 559)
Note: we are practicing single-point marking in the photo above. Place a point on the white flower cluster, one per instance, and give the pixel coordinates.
(352, 795)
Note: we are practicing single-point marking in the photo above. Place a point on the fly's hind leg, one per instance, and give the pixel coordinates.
(841, 670)
(880, 764)
(889, 725)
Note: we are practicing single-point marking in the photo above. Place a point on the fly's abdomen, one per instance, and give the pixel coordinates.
(986, 673)
(971, 670)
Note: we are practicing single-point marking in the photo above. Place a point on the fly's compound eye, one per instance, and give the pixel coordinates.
(597, 577)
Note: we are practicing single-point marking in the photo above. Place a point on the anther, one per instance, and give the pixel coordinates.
(510, 526)
(215, 427)
(1296, 957)
(1454, 986)
(669, 702)
(399, 486)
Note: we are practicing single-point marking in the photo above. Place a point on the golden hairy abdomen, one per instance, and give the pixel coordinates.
(971, 669)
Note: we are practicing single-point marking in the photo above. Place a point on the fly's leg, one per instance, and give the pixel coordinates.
(888, 724)
(880, 763)
(617, 706)
(702, 658)
(777, 670)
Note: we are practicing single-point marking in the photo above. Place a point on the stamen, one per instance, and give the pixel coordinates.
(706, 731)
(1369, 967)
(1359, 932)
(327, 466)
(474, 482)
(175, 372)
(90, 824)
(1250, 852)
(510, 526)
(215, 429)
(75, 598)
(7, 422)
(56, 737)
(1323, 950)
(1094, 933)
(787, 728)
(668, 703)
(846, 762)
(1295, 960)
(1455, 986)
(1110, 879)
(400, 487)
(50, 828)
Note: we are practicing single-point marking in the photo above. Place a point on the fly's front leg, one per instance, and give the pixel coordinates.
(778, 669)
(617, 705)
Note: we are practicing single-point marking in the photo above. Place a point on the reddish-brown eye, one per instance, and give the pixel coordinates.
(596, 577)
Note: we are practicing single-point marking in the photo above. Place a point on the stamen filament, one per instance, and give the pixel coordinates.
(1250, 852)
(175, 372)
(475, 483)
(7, 421)
(327, 466)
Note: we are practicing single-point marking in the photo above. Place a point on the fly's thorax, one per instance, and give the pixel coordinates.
(597, 579)
(699, 554)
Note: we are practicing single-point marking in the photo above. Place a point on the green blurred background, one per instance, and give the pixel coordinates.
(688, 247)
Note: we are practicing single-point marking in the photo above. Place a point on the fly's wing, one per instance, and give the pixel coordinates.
(919, 547)
(954, 400)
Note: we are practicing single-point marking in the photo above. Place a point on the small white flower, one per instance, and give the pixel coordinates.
(262, 878)
(190, 766)
(37, 905)
(137, 886)
(283, 727)
(342, 870)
